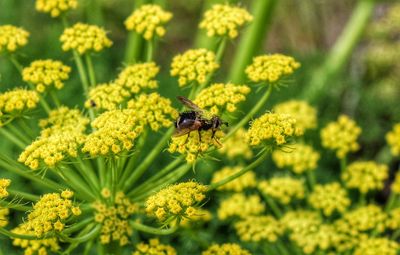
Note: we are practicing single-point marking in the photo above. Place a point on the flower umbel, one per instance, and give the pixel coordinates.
(247, 180)
(240, 205)
(259, 228)
(4, 183)
(106, 96)
(225, 249)
(12, 38)
(138, 77)
(393, 139)
(154, 247)
(283, 189)
(55, 7)
(329, 198)
(305, 114)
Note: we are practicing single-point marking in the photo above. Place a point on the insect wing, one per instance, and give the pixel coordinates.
(181, 132)
(189, 104)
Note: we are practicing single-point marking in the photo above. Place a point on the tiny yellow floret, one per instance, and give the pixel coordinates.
(138, 77)
(12, 38)
(329, 198)
(4, 183)
(283, 189)
(55, 7)
(154, 247)
(393, 139)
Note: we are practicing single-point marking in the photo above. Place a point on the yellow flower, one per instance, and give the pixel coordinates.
(396, 184)
(329, 198)
(220, 97)
(193, 66)
(224, 20)
(393, 139)
(115, 219)
(50, 213)
(55, 7)
(154, 247)
(272, 129)
(341, 136)
(240, 205)
(148, 20)
(153, 110)
(377, 245)
(270, 68)
(176, 201)
(225, 249)
(283, 189)
(106, 96)
(258, 229)
(12, 38)
(305, 114)
(115, 132)
(365, 176)
(300, 219)
(4, 183)
(40, 246)
(199, 216)
(299, 157)
(3, 216)
(138, 77)
(84, 38)
(247, 180)
(393, 221)
(44, 73)
(236, 146)
(15, 102)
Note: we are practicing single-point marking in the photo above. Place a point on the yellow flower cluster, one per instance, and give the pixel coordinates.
(149, 20)
(16, 101)
(393, 139)
(193, 145)
(137, 77)
(396, 184)
(272, 129)
(247, 180)
(12, 38)
(220, 97)
(55, 7)
(154, 247)
(300, 218)
(299, 158)
(365, 176)
(4, 183)
(224, 20)
(236, 146)
(84, 38)
(393, 221)
(225, 249)
(106, 96)
(329, 198)
(40, 246)
(200, 216)
(382, 246)
(51, 212)
(258, 229)
(153, 110)
(240, 205)
(305, 114)
(115, 132)
(270, 68)
(3, 216)
(193, 66)
(282, 189)
(44, 73)
(176, 201)
(341, 136)
(115, 219)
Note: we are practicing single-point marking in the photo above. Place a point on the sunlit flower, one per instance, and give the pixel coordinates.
(225, 249)
(258, 229)
(329, 198)
(3, 216)
(15, 102)
(393, 221)
(148, 20)
(138, 77)
(106, 96)
(305, 114)
(396, 183)
(193, 66)
(84, 38)
(300, 219)
(270, 68)
(236, 146)
(154, 247)
(247, 180)
(55, 7)
(199, 216)
(4, 183)
(12, 38)
(382, 246)
(241, 206)
(282, 189)
(393, 139)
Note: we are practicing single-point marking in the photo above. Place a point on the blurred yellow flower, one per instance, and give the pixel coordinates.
(393, 139)
(396, 184)
(329, 198)
(393, 220)
(16, 101)
(377, 245)
(12, 38)
(55, 7)
(247, 180)
(3, 216)
(241, 206)
(236, 146)
(4, 183)
(259, 229)
(225, 249)
(154, 247)
(283, 189)
(106, 96)
(138, 77)
(305, 114)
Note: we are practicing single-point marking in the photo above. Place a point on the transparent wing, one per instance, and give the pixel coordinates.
(189, 103)
(181, 132)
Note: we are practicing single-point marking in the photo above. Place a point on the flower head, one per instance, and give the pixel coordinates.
(3, 216)
(258, 229)
(393, 139)
(154, 247)
(270, 68)
(4, 183)
(393, 221)
(221, 97)
(396, 184)
(44, 73)
(55, 7)
(365, 176)
(17, 101)
(12, 38)
(138, 77)
(241, 206)
(272, 129)
(341, 136)
(224, 20)
(283, 189)
(377, 245)
(236, 146)
(176, 201)
(193, 66)
(149, 20)
(305, 114)
(106, 96)
(247, 180)
(84, 38)
(329, 198)
(225, 249)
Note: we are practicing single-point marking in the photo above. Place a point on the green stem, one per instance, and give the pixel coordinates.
(24, 195)
(273, 206)
(77, 184)
(391, 201)
(341, 51)
(77, 226)
(12, 138)
(311, 179)
(149, 50)
(343, 164)
(89, 65)
(84, 238)
(251, 113)
(90, 177)
(14, 206)
(151, 230)
(102, 171)
(253, 38)
(20, 135)
(55, 98)
(133, 48)
(253, 165)
(14, 235)
(26, 128)
(82, 72)
(362, 199)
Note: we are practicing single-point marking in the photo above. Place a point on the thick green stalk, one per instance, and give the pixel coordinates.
(89, 65)
(77, 226)
(77, 184)
(82, 71)
(55, 98)
(151, 230)
(24, 195)
(94, 12)
(341, 51)
(84, 238)
(150, 49)
(12, 138)
(87, 173)
(135, 41)
(21, 135)
(14, 205)
(252, 39)
(14, 235)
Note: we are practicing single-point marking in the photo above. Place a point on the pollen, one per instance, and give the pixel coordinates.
(259, 229)
(393, 139)
(227, 248)
(138, 77)
(154, 247)
(305, 114)
(241, 206)
(55, 7)
(106, 97)
(284, 190)
(245, 181)
(329, 198)
(4, 183)
(148, 20)
(12, 38)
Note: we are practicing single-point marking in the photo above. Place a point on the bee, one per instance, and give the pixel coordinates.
(194, 119)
